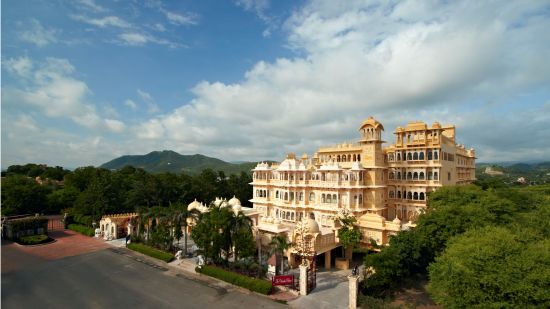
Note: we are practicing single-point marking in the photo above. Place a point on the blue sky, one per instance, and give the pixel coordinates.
(86, 81)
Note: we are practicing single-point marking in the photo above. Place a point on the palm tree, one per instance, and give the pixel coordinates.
(180, 216)
(278, 246)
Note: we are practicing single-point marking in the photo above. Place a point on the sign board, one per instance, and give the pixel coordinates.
(282, 280)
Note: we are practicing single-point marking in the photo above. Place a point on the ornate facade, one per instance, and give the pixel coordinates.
(385, 188)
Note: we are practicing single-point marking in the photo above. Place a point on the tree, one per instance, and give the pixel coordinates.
(22, 195)
(349, 234)
(278, 246)
(181, 216)
(492, 267)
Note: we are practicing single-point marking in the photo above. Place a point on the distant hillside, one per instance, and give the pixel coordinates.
(171, 161)
(534, 173)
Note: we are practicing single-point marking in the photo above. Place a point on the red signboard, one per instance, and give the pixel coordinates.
(283, 280)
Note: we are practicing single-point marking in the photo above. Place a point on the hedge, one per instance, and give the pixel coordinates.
(152, 252)
(82, 229)
(256, 285)
(34, 239)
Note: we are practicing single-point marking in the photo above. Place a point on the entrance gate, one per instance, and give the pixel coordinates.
(55, 223)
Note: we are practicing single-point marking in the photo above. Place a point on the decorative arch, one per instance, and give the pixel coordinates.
(415, 156)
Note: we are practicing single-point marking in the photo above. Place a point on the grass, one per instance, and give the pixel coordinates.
(256, 285)
(152, 252)
(82, 229)
(34, 239)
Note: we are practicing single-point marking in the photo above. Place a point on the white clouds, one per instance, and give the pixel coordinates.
(131, 104)
(149, 100)
(107, 21)
(396, 63)
(21, 66)
(38, 34)
(91, 5)
(136, 39)
(115, 125)
(50, 87)
(180, 19)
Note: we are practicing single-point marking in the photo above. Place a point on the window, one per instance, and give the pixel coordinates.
(360, 199)
(415, 156)
(392, 194)
(415, 176)
(422, 196)
(311, 196)
(449, 176)
(398, 194)
(421, 156)
(436, 176)
(409, 156)
(334, 199)
(398, 156)
(323, 198)
(430, 155)
(421, 176)
(329, 199)
(415, 196)
(436, 155)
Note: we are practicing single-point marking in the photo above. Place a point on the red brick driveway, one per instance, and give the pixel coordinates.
(68, 243)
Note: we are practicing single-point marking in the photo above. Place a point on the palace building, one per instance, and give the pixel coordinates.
(385, 188)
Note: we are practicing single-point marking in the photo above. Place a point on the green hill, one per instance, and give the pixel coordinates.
(171, 161)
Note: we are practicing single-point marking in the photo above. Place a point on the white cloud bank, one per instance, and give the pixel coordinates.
(410, 61)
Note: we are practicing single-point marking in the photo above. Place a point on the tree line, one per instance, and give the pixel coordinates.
(87, 193)
(479, 246)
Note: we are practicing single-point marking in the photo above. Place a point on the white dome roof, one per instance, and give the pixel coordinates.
(234, 201)
(236, 208)
(312, 226)
(193, 205)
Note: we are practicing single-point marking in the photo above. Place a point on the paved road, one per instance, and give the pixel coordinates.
(107, 279)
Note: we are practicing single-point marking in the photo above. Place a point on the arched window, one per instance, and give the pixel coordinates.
(398, 194)
(415, 176)
(258, 193)
(334, 199)
(409, 195)
(338, 158)
(398, 156)
(392, 194)
(349, 158)
(404, 194)
(409, 176)
(429, 155)
(430, 176)
(415, 196)
(415, 156)
(311, 196)
(277, 194)
(436, 176)
(329, 199)
(390, 175)
(358, 157)
(288, 215)
(355, 199)
(421, 176)
(323, 198)
(421, 156)
(436, 155)
(422, 196)
(360, 199)
(354, 158)
(286, 196)
(292, 216)
(398, 175)
(409, 156)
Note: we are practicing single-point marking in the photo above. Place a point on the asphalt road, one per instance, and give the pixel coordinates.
(106, 279)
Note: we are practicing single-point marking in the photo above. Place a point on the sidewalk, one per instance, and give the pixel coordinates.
(186, 268)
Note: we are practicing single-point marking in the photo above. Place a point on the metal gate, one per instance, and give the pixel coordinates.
(55, 223)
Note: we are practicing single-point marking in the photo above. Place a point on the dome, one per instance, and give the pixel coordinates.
(312, 226)
(373, 123)
(194, 205)
(217, 202)
(234, 201)
(236, 208)
(396, 221)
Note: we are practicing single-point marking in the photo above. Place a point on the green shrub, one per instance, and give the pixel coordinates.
(34, 239)
(82, 229)
(152, 252)
(256, 285)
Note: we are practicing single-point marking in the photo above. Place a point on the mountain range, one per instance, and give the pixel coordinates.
(171, 161)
